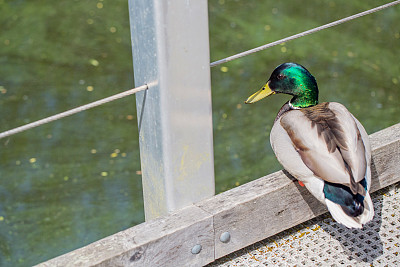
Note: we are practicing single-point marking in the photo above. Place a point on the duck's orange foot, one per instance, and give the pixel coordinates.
(301, 183)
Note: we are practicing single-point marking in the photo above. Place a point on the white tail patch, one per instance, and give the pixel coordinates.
(348, 221)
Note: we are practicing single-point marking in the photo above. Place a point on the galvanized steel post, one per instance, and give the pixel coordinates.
(171, 54)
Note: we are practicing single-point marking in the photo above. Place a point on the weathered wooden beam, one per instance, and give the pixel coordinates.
(164, 241)
(250, 213)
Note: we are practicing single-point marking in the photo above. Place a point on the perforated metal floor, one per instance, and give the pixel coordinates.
(323, 242)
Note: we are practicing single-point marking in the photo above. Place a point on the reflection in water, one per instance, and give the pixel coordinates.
(76, 180)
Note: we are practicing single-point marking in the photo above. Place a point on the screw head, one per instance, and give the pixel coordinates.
(196, 249)
(225, 237)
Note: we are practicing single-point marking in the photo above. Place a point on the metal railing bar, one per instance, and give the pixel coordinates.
(334, 23)
(73, 111)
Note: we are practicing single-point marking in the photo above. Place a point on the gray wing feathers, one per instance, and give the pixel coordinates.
(329, 142)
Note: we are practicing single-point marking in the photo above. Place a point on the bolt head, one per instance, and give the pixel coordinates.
(225, 237)
(196, 249)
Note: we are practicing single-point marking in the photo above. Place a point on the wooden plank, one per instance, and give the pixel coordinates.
(271, 204)
(385, 157)
(250, 213)
(166, 241)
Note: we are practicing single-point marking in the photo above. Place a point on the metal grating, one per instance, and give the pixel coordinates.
(323, 242)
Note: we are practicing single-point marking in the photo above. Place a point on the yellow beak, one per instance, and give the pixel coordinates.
(260, 94)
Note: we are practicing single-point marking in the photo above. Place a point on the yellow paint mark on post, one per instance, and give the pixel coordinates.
(182, 168)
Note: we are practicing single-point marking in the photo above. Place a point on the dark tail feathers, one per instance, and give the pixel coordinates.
(340, 194)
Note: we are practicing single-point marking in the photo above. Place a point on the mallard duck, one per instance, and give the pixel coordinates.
(321, 144)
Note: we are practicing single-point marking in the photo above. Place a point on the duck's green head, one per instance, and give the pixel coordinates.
(292, 79)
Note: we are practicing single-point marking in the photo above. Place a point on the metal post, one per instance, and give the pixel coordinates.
(171, 54)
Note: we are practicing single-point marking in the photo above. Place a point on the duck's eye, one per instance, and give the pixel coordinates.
(280, 76)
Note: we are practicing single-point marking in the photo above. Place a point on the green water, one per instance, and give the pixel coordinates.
(76, 180)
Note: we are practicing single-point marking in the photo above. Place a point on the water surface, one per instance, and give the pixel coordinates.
(76, 180)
